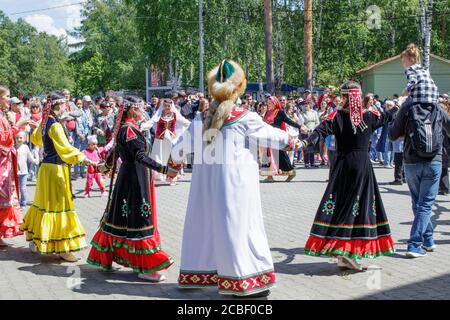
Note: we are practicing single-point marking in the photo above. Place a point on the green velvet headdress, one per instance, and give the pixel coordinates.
(225, 71)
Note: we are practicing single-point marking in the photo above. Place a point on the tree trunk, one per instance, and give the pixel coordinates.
(392, 34)
(308, 44)
(426, 47)
(278, 57)
(268, 44)
(318, 44)
(259, 75)
(201, 85)
(422, 21)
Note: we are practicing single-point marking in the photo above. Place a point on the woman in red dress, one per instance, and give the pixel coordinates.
(10, 217)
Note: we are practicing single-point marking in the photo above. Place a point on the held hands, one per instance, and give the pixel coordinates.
(22, 123)
(173, 169)
(172, 173)
(88, 162)
(295, 144)
(33, 124)
(298, 145)
(101, 167)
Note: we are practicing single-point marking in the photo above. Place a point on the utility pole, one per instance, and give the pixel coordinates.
(269, 44)
(202, 49)
(308, 57)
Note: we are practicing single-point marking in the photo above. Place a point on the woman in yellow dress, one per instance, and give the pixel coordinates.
(51, 224)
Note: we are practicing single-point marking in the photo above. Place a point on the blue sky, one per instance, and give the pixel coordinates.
(55, 21)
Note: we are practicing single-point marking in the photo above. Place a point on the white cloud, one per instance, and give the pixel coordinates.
(45, 23)
(73, 15)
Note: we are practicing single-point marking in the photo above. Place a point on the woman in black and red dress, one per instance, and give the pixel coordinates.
(129, 231)
(350, 223)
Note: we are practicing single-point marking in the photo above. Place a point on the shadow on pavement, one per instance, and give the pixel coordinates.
(398, 255)
(300, 181)
(24, 255)
(428, 289)
(92, 280)
(327, 268)
(385, 189)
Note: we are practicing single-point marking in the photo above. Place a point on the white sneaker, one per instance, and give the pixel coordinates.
(32, 247)
(152, 277)
(429, 249)
(411, 254)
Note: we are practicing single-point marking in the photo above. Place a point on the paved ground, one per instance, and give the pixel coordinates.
(29, 276)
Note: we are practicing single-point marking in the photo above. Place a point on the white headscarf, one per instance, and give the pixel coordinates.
(181, 124)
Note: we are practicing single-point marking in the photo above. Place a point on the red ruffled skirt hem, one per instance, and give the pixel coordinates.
(143, 256)
(10, 221)
(353, 249)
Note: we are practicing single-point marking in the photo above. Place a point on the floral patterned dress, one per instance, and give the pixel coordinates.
(10, 218)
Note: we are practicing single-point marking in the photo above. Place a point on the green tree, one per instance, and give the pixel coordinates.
(111, 47)
(91, 76)
(30, 61)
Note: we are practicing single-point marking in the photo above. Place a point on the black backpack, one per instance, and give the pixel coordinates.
(424, 128)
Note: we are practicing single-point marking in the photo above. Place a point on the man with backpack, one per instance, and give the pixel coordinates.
(421, 122)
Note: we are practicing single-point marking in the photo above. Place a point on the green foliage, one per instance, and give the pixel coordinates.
(235, 29)
(90, 76)
(32, 62)
(120, 38)
(112, 56)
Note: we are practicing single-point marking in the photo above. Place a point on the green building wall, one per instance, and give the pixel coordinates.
(389, 78)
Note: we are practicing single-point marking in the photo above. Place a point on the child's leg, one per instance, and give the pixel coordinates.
(23, 189)
(89, 181)
(98, 179)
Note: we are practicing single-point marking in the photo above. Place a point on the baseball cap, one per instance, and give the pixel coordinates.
(87, 99)
(15, 100)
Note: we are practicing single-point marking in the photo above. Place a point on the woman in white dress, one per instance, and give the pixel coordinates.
(169, 124)
(224, 241)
